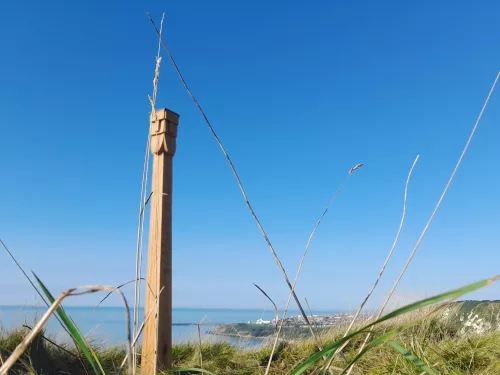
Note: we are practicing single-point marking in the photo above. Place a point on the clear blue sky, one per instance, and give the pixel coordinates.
(298, 94)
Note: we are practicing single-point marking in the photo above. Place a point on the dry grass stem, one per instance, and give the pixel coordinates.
(309, 308)
(21, 348)
(25, 274)
(357, 166)
(276, 313)
(391, 251)
(144, 201)
(141, 328)
(312, 318)
(200, 346)
(118, 287)
(53, 343)
(426, 228)
(199, 340)
(140, 235)
(33, 285)
(233, 169)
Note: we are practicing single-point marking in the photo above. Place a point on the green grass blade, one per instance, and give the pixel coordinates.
(424, 303)
(330, 350)
(412, 358)
(327, 351)
(453, 294)
(73, 330)
(379, 340)
(87, 344)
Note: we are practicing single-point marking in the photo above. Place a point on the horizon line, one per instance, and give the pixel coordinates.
(176, 307)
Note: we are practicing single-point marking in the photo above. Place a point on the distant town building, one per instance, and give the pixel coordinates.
(317, 320)
(261, 321)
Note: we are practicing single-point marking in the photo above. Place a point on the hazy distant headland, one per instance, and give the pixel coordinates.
(465, 317)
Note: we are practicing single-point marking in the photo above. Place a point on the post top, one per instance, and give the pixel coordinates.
(163, 131)
(165, 114)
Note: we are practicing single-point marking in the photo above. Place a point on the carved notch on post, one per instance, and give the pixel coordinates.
(163, 130)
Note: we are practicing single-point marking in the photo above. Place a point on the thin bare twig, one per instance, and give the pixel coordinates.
(141, 328)
(200, 345)
(140, 236)
(20, 349)
(310, 312)
(391, 251)
(199, 340)
(233, 169)
(119, 287)
(312, 317)
(53, 343)
(276, 313)
(356, 167)
(144, 201)
(25, 274)
(309, 308)
(438, 205)
(34, 287)
(396, 240)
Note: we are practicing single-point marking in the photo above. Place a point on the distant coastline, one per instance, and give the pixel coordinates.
(294, 326)
(106, 324)
(466, 316)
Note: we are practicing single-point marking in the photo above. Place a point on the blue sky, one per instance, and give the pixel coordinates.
(298, 94)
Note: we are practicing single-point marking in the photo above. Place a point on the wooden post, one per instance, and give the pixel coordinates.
(157, 340)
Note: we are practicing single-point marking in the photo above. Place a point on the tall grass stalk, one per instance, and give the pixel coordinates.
(200, 346)
(438, 205)
(439, 299)
(276, 313)
(292, 290)
(118, 287)
(384, 266)
(141, 328)
(310, 311)
(391, 251)
(233, 169)
(52, 342)
(54, 308)
(144, 201)
(38, 292)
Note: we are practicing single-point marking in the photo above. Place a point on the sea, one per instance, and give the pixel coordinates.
(106, 326)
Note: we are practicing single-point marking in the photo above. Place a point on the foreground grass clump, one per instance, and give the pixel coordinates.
(437, 343)
(45, 356)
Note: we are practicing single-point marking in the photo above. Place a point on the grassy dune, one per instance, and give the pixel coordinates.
(440, 341)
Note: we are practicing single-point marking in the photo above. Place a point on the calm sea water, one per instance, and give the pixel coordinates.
(107, 325)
